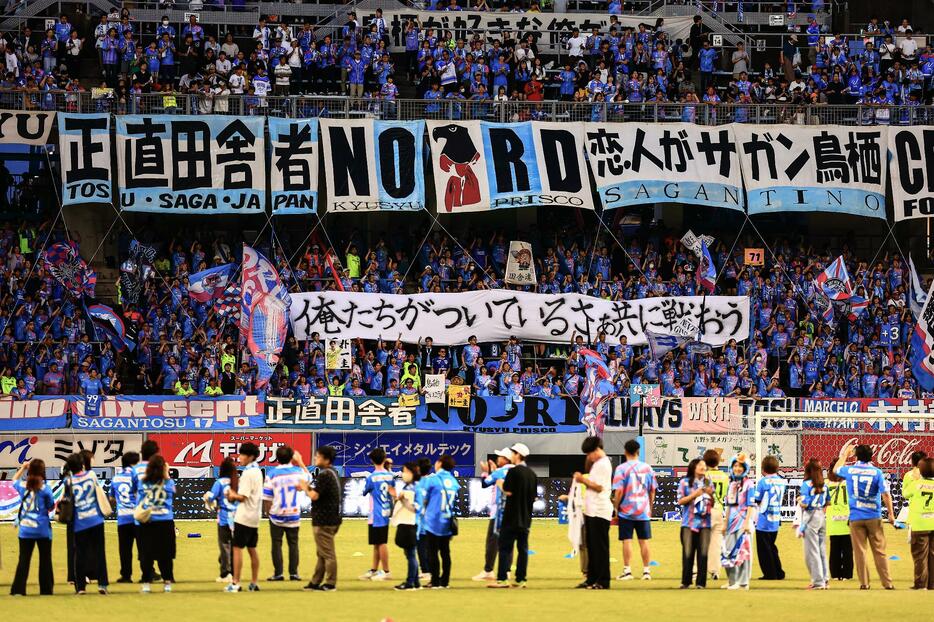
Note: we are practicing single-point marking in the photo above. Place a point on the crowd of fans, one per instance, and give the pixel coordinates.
(885, 65)
(186, 348)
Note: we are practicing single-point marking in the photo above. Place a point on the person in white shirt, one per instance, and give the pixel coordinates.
(237, 81)
(598, 511)
(261, 33)
(249, 495)
(222, 64)
(575, 47)
(908, 47)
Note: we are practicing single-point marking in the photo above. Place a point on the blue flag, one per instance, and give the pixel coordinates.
(919, 349)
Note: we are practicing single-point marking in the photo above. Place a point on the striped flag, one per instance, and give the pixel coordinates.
(919, 349)
(834, 281)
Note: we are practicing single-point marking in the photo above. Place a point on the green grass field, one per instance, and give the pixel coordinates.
(549, 594)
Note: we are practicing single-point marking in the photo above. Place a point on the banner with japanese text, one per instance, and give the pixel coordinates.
(495, 315)
(191, 164)
(822, 168)
(209, 449)
(340, 413)
(677, 450)
(84, 146)
(912, 153)
(480, 166)
(373, 165)
(152, 412)
(638, 163)
(26, 128)
(353, 449)
(53, 449)
(293, 165)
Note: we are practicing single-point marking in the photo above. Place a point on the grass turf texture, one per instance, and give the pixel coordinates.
(549, 593)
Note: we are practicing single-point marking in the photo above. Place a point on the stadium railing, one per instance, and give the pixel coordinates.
(304, 106)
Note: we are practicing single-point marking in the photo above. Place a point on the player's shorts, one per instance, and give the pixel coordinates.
(642, 529)
(245, 537)
(377, 535)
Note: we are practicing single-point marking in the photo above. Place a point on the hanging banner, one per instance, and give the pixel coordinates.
(15, 449)
(84, 145)
(353, 449)
(41, 413)
(480, 166)
(520, 266)
(793, 168)
(533, 415)
(677, 450)
(148, 412)
(495, 315)
(912, 152)
(26, 128)
(191, 164)
(677, 414)
(549, 29)
(293, 169)
(372, 165)
(348, 413)
(636, 163)
(199, 449)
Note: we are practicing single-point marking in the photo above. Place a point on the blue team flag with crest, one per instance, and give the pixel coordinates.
(706, 272)
(834, 281)
(919, 349)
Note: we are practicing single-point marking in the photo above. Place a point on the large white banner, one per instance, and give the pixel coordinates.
(192, 164)
(677, 450)
(373, 165)
(547, 28)
(84, 145)
(26, 128)
(637, 163)
(293, 165)
(826, 168)
(480, 166)
(912, 151)
(495, 315)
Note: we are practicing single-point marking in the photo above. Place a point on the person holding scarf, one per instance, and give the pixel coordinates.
(695, 496)
(736, 554)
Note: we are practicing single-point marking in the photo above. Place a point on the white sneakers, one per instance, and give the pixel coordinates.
(227, 578)
(146, 588)
(485, 576)
(375, 575)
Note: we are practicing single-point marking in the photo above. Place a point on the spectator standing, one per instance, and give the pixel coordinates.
(519, 491)
(598, 511)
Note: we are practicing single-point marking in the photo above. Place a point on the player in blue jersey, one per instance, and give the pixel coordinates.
(88, 524)
(121, 489)
(35, 528)
(157, 534)
(377, 487)
(425, 471)
(494, 477)
(281, 501)
(867, 489)
(770, 490)
(438, 511)
(216, 500)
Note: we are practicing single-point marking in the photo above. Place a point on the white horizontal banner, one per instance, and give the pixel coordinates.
(495, 315)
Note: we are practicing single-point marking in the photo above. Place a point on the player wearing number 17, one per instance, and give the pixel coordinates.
(281, 502)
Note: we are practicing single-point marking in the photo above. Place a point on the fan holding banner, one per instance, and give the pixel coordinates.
(264, 305)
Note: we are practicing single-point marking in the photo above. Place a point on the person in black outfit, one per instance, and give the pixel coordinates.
(326, 519)
(519, 489)
(228, 380)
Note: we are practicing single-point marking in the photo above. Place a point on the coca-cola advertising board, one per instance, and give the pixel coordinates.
(201, 449)
(890, 451)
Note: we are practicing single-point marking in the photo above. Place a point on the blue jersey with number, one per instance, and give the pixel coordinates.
(770, 490)
(865, 484)
(34, 523)
(225, 507)
(87, 512)
(121, 488)
(440, 497)
(160, 497)
(281, 488)
(377, 486)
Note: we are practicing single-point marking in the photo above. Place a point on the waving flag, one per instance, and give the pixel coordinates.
(822, 304)
(660, 345)
(107, 324)
(706, 274)
(228, 303)
(855, 307)
(71, 271)
(598, 385)
(916, 295)
(835, 281)
(919, 349)
(211, 283)
(264, 304)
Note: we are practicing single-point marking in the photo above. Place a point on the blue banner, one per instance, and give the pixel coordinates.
(293, 169)
(150, 412)
(400, 170)
(181, 164)
(340, 413)
(353, 448)
(38, 413)
(533, 415)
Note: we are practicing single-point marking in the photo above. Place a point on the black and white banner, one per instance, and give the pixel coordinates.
(495, 315)
(373, 165)
(480, 166)
(293, 168)
(635, 163)
(791, 168)
(84, 145)
(912, 150)
(191, 164)
(26, 128)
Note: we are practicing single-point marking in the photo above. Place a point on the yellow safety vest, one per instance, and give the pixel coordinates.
(838, 512)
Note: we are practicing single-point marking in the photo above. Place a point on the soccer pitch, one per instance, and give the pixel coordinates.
(549, 594)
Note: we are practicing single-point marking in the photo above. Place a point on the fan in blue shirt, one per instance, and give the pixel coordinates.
(866, 485)
(35, 528)
(377, 487)
(769, 492)
(122, 490)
